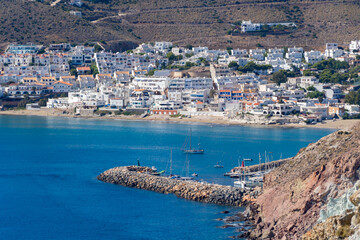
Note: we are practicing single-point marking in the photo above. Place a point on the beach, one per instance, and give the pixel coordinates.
(330, 124)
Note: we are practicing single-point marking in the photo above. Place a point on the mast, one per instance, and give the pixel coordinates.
(170, 162)
(259, 162)
(187, 166)
(190, 138)
(265, 166)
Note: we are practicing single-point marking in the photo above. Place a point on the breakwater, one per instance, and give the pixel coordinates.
(143, 178)
(251, 170)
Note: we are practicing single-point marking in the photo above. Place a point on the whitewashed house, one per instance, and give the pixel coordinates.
(248, 26)
(354, 46)
(313, 57)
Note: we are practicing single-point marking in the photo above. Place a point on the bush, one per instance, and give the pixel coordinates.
(279, 77)
(42, 102)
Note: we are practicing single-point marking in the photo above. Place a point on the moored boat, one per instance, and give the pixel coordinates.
(191, 150)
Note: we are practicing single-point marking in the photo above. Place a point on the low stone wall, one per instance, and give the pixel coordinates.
(257, 167)
(140, 177)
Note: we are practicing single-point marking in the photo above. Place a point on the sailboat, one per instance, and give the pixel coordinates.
(250, 182)
(192, 150)
(187, 177)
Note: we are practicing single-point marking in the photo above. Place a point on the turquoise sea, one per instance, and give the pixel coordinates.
(48, 169)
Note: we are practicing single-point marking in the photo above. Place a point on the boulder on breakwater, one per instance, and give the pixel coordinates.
(142, 178)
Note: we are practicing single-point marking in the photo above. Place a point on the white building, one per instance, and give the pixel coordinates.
(151, 83)
(313, 57)
(199, 49)
(248, 26)
(332, 51)
(354, 46)
(78, 3)
(239, 52)
(62, 87)
(257, 54)
(163, 46)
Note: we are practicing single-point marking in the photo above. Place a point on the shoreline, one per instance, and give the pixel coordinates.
(338, 124)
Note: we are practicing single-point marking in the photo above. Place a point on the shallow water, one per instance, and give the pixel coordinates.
(48, 170)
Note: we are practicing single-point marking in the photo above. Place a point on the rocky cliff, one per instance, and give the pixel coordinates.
(295, 193)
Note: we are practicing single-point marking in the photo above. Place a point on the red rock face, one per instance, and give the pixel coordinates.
(295, 192)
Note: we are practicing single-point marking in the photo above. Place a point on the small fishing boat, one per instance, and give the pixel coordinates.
(218, 165)
(194, 174)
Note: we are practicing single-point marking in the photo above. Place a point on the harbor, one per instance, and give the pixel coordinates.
(255, 170)
(146, 178)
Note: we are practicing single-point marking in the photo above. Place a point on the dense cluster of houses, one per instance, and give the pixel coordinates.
(142, 79)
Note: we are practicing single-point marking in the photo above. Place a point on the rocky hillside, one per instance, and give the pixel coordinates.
(297, 194)
(32, 21)
(181, 21)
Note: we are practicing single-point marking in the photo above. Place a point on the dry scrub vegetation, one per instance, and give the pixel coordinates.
(181, 21)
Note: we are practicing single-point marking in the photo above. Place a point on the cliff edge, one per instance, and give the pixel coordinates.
(295, 193)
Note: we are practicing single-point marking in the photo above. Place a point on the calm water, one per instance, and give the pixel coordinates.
(48, 170)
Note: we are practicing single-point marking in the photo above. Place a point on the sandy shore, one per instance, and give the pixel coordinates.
(338, 124)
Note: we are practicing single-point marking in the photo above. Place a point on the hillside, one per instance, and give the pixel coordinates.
(23, 21)
(194, 22)
(295, 193)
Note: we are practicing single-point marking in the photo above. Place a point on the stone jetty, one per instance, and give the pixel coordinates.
(249, 170)
(143, 178)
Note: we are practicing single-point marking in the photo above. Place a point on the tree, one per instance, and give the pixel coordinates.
(97, 48)
(22, 103)
(73, 72)
(353, 97)
(311, 88)
(233, 65)
(172, 57)
(94, 69)
(331, 64)
(42, 102)
(228, 49)
(279, 77)
(315, 94)
(251, 66)
(151, 72)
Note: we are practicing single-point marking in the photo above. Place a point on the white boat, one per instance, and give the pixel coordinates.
(186, 178)
(247, 184)
(218, 165)
(191, 150)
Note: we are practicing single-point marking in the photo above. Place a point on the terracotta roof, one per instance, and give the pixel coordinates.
(83, 68)
(104, 74)
(86, 76)
(123, 72)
